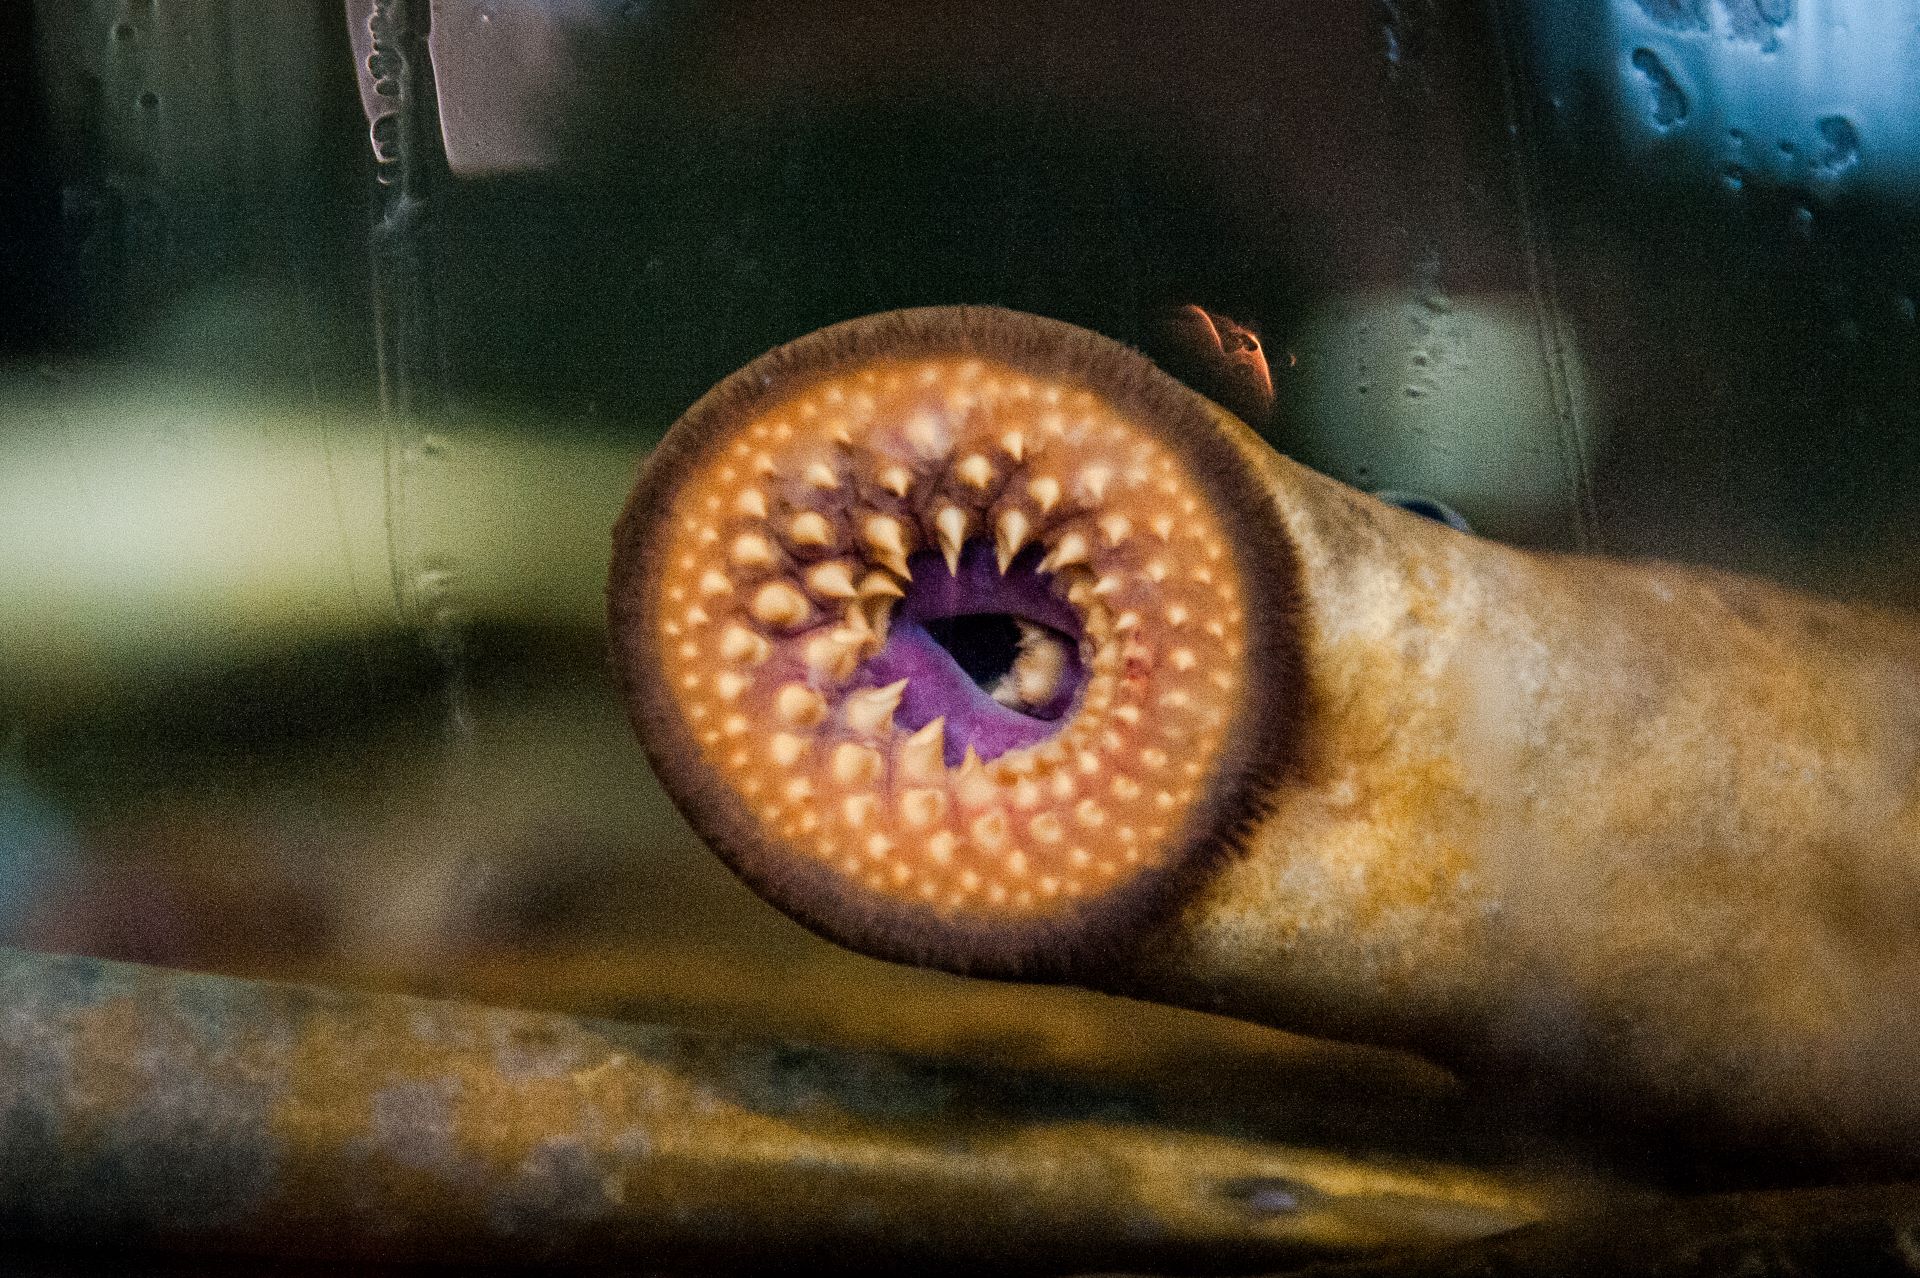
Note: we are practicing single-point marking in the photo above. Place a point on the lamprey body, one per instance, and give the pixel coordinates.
(1268, 746)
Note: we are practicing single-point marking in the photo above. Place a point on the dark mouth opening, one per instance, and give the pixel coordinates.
(997, 655)
(986, 644)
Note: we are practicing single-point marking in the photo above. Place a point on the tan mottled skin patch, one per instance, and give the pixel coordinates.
(1645, 829)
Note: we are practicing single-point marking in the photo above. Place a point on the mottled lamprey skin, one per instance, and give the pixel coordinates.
(1648, 834)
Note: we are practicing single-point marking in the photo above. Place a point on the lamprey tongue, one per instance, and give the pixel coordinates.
(937, 626)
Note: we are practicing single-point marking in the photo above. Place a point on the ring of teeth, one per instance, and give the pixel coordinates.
(788, 551)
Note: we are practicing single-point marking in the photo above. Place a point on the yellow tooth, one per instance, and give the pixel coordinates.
(810, 528)
(1163, 527)
(884, 536)
(751, 550)
(786, 748)
(975, 470)
(1157, 571)
(1046, 491)
(923, 807)
(923, 432)
(951, 525)
(737, 643)
(1013, 444)
(831, 579)
(821, 475)
(1182, 659)
(876, 584)
(1089, 813)
(989, 829)
(799, 705)
(751, 502)
(1009, 535)
(1116, 528)
(855, 764)
(920, 758)
(1094, 481)
(729, 685)
(714, 583)
(831, 657)
(896, 480)
(857, 808)
(871, 709)
(975, 787)
(1177, 616)
(940, 851)
(1046, 827)
(779, 604)
(875, 612)
(1070, 549)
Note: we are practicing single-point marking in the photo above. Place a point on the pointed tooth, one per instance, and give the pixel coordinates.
(738, 643)
(1094, 481)
(1070, 549)
(975, 787)
(1046, 491)
(751, 550)
(729, 684)
(1009, 535)
(1013, 443)
(832, 580)
(922, 807)
(751, 502)
(810, 528)
(821, 476)
(786, 748)
(856, 808)
(1163, 527)
(714, 583)
(1116, 528)
(975, 470)
(884, 537)
(871, 709)
(831, 657)
(875, 614)
(779, 604)
(940, 851)
(921, 758)
(799, 705)
(1106, 585)
(924, 433)
(896, 480)
(951, 525)
(880, 583)
(855, 764)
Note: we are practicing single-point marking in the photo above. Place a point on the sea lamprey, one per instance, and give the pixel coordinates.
(971, 639)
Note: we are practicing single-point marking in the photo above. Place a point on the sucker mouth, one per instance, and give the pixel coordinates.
(940, 630)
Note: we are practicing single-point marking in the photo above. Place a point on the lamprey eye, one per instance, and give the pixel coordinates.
(943, 627)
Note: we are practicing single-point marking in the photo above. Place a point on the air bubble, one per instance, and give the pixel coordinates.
(1733, 177)
(1903, 307)
(1802, 220)
(1840, 145)
(1669, 107)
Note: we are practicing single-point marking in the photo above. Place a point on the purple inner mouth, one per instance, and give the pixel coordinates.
(937, 683)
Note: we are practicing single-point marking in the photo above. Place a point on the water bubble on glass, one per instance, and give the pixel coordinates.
(1668, 105)
(1839, 144)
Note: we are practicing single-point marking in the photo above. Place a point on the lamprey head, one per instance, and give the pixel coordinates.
(964, 636)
